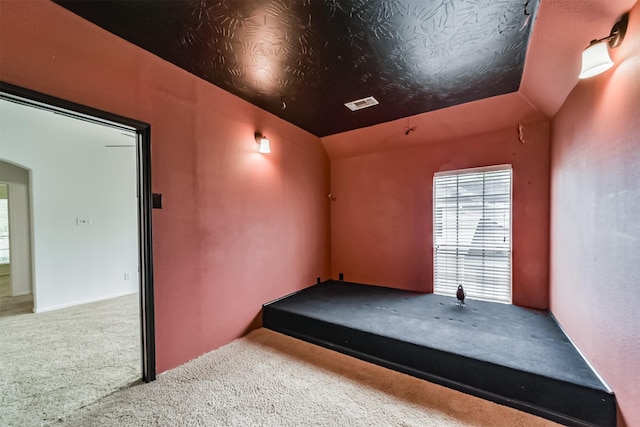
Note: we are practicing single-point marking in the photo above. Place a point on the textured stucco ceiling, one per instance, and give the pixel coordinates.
(303, 59)
(562, 29)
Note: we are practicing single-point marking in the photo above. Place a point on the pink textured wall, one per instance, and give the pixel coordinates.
(381, 220)
(459, 121)
(595, 221)
(238, 228)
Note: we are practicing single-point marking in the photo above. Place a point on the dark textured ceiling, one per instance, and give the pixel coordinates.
(303, 59)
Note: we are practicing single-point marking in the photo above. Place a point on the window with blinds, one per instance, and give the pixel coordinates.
(472, 232)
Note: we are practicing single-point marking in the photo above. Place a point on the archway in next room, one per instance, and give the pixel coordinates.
(90, 234)
(16, 294)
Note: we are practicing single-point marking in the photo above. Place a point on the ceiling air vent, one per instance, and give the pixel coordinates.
(359, 104)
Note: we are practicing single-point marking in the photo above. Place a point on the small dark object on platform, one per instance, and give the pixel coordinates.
(460, 295)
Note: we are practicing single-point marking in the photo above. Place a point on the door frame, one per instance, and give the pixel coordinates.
(22, 240)
(34, 99)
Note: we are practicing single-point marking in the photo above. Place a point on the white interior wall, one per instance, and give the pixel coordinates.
(84, 206)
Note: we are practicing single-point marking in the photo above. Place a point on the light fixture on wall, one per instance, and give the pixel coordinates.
(595, 58)
(263, 143)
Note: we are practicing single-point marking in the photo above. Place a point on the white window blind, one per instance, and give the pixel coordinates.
(472, 232)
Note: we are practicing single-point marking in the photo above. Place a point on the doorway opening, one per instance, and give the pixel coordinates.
(16, 296)
(5, 249)
(140, 141)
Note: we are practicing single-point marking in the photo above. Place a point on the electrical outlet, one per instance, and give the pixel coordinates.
(127, 276)
(84, 221)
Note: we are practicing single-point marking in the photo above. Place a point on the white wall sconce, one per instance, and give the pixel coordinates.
(263, 143)
(595, 58)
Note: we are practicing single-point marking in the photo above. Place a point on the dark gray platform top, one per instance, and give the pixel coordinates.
(507, 335)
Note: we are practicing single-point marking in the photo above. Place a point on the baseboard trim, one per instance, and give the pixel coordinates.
(21, 294)
(80, 302)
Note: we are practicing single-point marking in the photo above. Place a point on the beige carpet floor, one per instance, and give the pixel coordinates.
(55, 362)
(268, 379)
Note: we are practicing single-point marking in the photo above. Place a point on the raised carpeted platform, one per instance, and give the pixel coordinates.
(508, 354)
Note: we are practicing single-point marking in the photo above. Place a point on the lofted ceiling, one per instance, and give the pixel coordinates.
(314, 82)
(302, 60)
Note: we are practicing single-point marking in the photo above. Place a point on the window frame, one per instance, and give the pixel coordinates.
(4, 235)
(436, 235)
